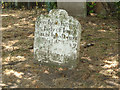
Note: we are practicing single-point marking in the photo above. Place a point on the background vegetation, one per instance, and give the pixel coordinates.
(102, 9)
(99, 64)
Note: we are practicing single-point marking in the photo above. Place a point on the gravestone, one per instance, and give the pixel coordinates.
(77, 9)
(57, 39)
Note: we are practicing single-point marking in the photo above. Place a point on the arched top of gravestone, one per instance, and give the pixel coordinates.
(58, 13)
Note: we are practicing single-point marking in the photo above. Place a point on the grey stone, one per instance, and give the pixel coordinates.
(57, 39)
(77, 9)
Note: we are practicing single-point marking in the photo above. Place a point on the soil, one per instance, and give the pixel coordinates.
(97, 68)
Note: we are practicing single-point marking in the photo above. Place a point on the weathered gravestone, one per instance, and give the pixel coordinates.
(57, 39)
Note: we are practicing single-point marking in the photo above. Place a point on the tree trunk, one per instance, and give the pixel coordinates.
(102, 8)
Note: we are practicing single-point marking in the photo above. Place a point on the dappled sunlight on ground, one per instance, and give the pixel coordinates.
(82, 43)
(113, 83)
(109, 72)
(88, 58)
(31, 36)
(110, 65)
(92, 67)
(9, 45)
(6, 28)
(3, 85)
(102, 30)
(98, 63)
(6, 15)
(111, 62)
(10, 72)
(13, 58)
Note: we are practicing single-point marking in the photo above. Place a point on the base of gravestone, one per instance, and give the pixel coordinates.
(54, 65)
(70, 65)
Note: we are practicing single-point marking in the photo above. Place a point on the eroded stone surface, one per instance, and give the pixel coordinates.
(57, 39)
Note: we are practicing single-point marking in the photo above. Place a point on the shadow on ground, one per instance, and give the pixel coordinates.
(98, 66)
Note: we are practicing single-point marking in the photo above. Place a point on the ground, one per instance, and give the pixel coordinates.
(98, 66)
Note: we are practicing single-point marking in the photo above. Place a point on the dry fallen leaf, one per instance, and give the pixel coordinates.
(93, 14)
(60, 69)
(46, 72)
(102, 30)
